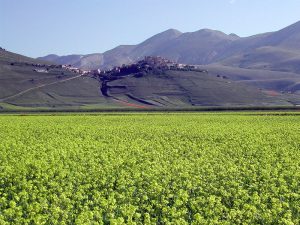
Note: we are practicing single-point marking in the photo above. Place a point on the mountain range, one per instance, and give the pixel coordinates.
(275, 51)
(260, 70)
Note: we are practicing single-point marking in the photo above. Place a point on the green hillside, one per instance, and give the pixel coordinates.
(189, 88)
(284, 84)
(32, 84)
(21, 86)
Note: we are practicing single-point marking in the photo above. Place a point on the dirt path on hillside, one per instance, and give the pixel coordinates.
(40, 86)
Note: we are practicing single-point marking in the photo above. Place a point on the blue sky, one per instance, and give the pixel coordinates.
(40, 27)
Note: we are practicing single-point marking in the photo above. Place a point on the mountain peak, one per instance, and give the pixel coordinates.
(52, 55)
(167, 34)
(207, 31)
(172, 31)
(210, 34)
(164, 36)
(234, 35)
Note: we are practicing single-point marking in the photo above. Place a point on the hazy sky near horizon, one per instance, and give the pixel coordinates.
(40, 27)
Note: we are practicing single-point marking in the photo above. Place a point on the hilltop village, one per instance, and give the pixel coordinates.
(149, 63)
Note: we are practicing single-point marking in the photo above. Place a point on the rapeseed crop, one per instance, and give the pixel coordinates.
(185, 168)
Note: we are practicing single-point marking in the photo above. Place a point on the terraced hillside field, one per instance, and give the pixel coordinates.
(150, 169)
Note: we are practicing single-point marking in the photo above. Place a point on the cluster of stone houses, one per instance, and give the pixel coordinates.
(163, 63)
(73, 69)
(147, 64)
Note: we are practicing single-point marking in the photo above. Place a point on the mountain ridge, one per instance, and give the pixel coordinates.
(203, 47)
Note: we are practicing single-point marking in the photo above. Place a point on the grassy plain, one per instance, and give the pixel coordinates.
(150, 168)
